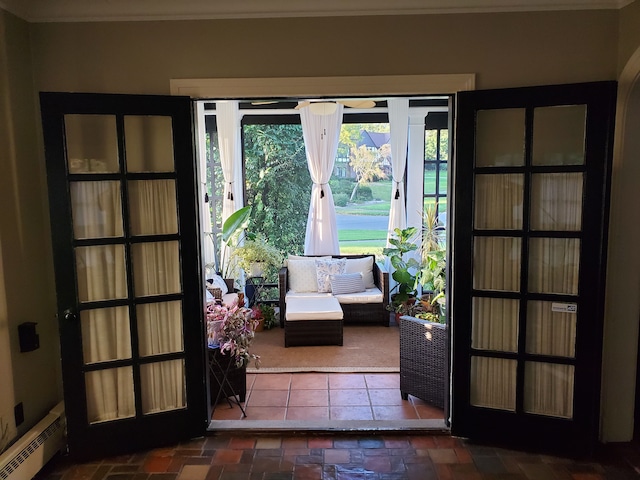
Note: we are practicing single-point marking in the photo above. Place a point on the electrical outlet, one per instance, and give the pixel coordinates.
(18, 412)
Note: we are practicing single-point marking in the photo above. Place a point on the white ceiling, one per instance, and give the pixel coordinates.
(135, 10)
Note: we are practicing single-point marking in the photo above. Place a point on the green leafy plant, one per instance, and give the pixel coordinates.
(232, 329)
(257, 251)
(233, 231)
(405, 266)
(429, 308)
(269, 315)
(433, 255)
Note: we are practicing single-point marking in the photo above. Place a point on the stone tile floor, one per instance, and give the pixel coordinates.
(326, 396)
(345, 457)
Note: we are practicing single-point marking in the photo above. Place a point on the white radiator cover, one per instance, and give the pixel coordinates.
(35, 448)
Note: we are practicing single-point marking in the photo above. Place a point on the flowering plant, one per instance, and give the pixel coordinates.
(233, 329)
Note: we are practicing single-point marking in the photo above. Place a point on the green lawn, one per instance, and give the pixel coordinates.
(360, 235)
(373, 208)
(347, 248)
(381, 190)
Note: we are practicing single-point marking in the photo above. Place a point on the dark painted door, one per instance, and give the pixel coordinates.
(121, 177)
(532, 183)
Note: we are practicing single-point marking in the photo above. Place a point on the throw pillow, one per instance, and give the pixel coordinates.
(302, 275)
(218, 282)
(364, 266)
(326, 268)
(347, 283)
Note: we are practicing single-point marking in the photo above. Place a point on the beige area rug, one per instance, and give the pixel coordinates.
(365, 349)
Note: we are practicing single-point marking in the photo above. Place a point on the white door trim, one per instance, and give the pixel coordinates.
(220, 88)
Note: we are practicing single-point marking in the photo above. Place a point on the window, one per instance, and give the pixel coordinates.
(436, 169)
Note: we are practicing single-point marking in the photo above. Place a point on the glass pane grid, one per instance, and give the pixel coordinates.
(163, 386)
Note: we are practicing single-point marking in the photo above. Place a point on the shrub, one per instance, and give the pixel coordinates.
(364, 193)
(341, 185)
(341, 199)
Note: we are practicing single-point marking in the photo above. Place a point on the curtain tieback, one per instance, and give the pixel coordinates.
(321, 189)
(397, 195)
(230, 192)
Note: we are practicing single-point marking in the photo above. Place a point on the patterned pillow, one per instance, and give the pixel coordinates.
(347, 283)
(326, 268)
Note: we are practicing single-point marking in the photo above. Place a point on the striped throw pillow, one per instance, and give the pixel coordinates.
(347, 283)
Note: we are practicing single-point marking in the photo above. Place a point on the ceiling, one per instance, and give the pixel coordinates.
(137, 10)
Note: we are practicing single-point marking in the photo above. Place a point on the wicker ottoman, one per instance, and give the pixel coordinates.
(313, 321)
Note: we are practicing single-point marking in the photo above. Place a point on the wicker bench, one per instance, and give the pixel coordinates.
(313, 321)
(361, 312)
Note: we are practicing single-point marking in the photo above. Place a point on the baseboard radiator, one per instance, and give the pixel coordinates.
(35, 448)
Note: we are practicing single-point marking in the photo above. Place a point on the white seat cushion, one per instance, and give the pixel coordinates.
(370, 295)
(291, 294)
(313, 308)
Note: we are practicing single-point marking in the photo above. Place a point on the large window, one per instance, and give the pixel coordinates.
(277, 183)
(361, 183)
(436, 164)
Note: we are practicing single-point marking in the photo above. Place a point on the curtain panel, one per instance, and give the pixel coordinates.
(398, 129)
(321, 132)
(228, 121)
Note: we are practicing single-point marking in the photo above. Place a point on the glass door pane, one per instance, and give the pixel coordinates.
(91, 143)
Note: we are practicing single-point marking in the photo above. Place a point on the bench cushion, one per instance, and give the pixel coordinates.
(313, 308)
(370, 295)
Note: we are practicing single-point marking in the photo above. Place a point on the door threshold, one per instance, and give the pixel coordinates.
(431, 426)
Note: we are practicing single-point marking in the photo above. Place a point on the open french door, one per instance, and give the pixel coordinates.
(531, 194)
(125, 231)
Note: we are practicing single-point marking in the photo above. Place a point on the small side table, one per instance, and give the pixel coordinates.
(254, 287)
(231, 381)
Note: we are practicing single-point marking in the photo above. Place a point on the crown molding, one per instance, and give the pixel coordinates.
(146, 10)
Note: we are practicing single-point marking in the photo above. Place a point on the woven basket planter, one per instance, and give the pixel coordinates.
(422, 360)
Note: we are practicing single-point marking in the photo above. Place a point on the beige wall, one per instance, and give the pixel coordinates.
(29, 293)
(629, 33)
(623, 279)
(503, 49)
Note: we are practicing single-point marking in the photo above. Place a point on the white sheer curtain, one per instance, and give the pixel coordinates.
(97, 213)
(399, 130)
(101, 275)
(553, 268)
(321, 134)
(156, 268)
(228, 124)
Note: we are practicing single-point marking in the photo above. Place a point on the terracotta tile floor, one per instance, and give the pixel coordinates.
(326, 396)
(344, 457)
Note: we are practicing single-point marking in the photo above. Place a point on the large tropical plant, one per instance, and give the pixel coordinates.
(233, 232)
(433, 258)
(404, 264)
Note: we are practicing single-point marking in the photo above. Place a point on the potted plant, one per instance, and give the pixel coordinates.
(230, 332)
(256, 256)
(231, 329)
(405, 266)
(431, 275)
(266, 316)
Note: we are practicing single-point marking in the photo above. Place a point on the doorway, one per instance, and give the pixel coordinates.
(429, 153)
